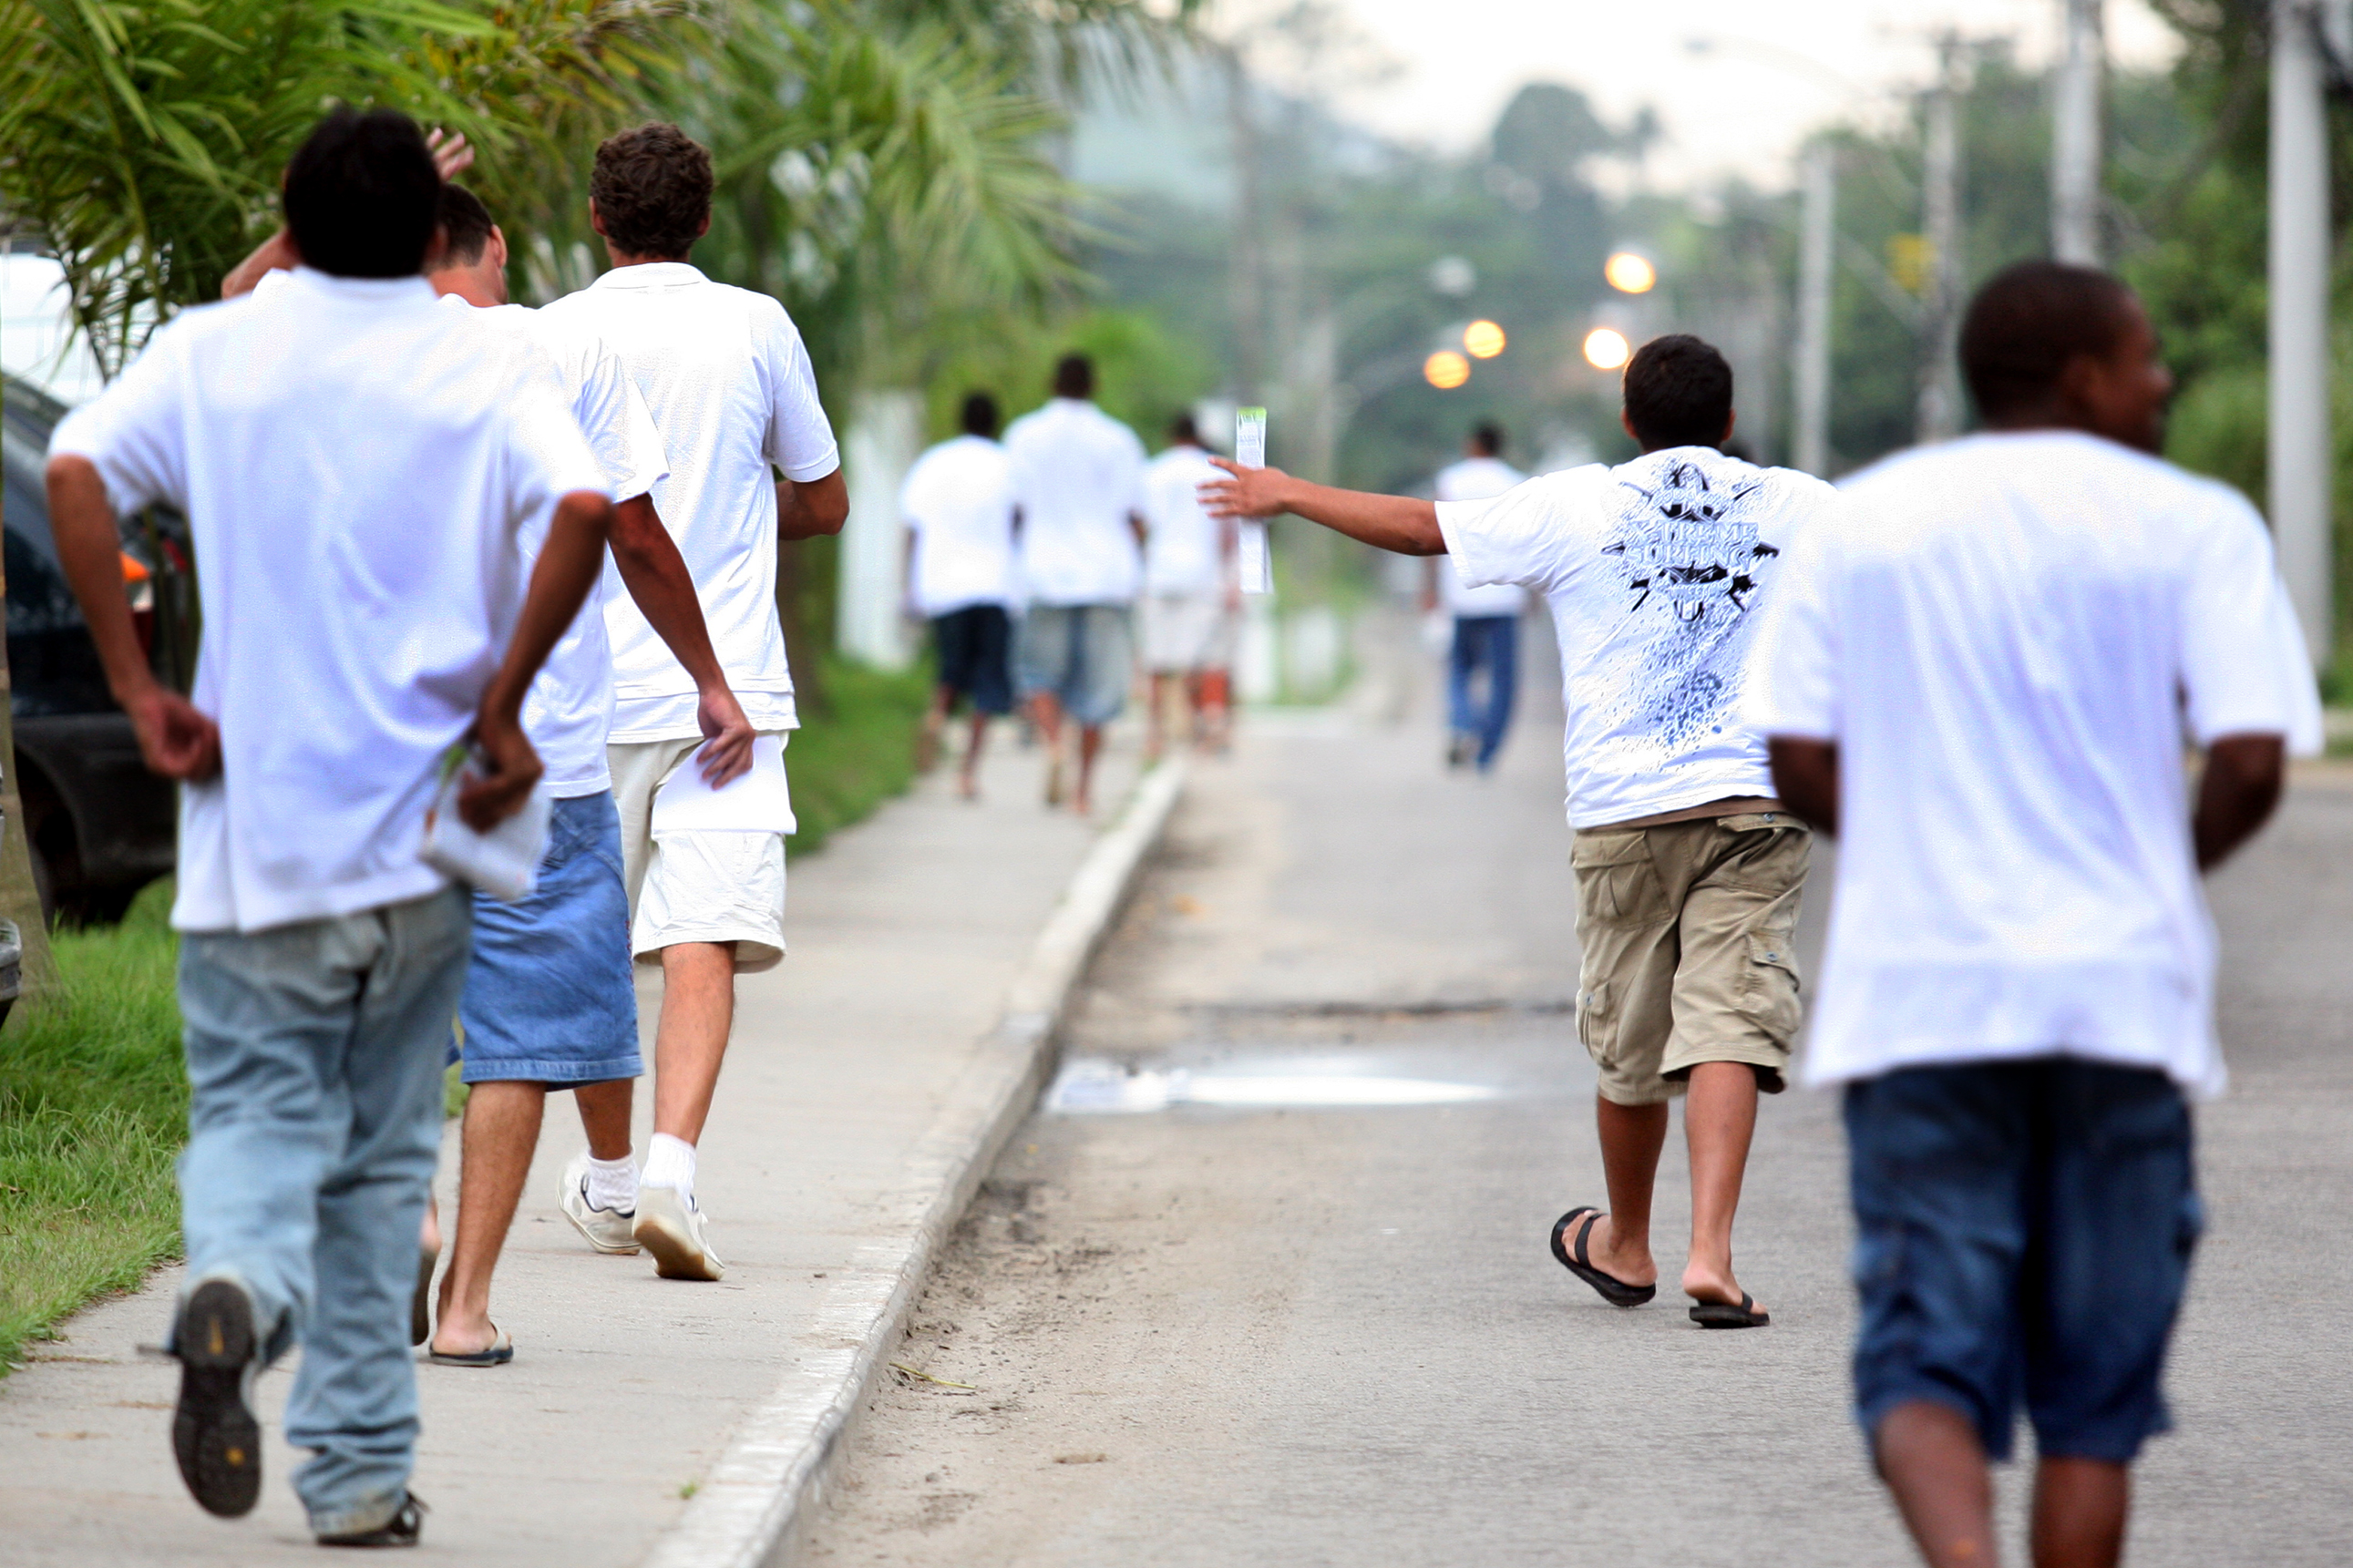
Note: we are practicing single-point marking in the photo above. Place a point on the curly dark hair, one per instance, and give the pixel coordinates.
(652, 187)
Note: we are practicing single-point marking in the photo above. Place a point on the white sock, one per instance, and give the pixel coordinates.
(669, 1162)
(613, 1184)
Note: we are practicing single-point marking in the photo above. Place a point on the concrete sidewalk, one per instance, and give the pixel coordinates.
(645, 1419)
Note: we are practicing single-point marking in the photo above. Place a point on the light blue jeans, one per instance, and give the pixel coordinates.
(314, 1052)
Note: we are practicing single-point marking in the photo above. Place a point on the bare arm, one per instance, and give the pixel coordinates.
(2241, 788)
(1806, 777)
(657, 578)
(1401, 524)
(175, 739)
(807, 511)
(568, 564)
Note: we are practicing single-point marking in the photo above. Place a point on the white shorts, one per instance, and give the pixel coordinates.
(695, 886)
(1185, 632)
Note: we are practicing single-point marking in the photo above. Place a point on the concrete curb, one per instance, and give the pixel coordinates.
(750, 1510)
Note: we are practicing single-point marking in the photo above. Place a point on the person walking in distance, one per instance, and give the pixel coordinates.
(1077, 474)
(1688, 870)
(1978, 674)
(725, 377)
(550, 1001)
(1486, 631)
(1191, 595)
(957, 503)
(320, 958)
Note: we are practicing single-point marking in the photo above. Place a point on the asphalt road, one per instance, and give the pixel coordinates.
(1258, 1327)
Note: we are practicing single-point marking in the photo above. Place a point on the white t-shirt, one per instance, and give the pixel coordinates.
(1077, 474)
(1476, 479)
(569, 710)
(728, 382)
(1655, 571)
(357, 465)
(958, 502)
(1183, 546)
(2007, 637)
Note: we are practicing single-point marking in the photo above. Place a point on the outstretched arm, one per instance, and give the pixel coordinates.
(657, 578)
(1401, 524)
(568, 564)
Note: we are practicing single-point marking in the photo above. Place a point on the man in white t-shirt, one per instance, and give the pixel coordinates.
(1486, 632)
(1688, 870)
(1191, 595)
(957, 504)
(729, 384)
(1980, 673)
(358, 464)
(1077, 473)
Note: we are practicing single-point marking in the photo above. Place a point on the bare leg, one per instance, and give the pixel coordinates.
(2080, 1507)
(935, 720)
(1930, 1458)
(1632, 1137)
(1089, 743)
(497, 1139)
(1217, 709)
(1719, 1119)
(1155, 717)
(1046, 712)
(968, 778)
(697, 1013)
(605, 1115)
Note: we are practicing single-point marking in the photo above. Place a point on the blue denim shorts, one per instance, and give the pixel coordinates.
(550, 996)
(1082, 653)
(2023, 1230)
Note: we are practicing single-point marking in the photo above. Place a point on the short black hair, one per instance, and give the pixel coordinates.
(2028, 321)
(979, 415)
(1488, 437)
(1185, 430)
(1074, 376)
(1678, 393)
(362, 195)
(652, 189)
(465, 227)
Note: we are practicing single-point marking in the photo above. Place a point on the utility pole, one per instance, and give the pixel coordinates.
(2075, 143)
(2299, 456)
(1816, 227)
(1939, 416)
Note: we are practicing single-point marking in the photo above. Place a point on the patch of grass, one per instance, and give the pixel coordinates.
(93, 1108)
(858, 750)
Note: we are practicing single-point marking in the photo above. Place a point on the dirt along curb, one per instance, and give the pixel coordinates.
(748, 1510)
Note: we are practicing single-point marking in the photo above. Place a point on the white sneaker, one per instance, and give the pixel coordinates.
(607, 1230)
(670, 1227)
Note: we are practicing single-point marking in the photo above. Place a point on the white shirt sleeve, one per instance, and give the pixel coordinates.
(1793, 670)
(134, 432)
(1528, 536)
(549, 458)
(800, 437)
(2244, 670)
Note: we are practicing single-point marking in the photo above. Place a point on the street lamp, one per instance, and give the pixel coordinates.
(1446, 370)
(1482, 339)
(1606, 348)
(1629, 273)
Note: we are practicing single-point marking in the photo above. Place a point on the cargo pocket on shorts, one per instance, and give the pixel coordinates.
(1768, 986)
(1594, 1028)
(1616, 882)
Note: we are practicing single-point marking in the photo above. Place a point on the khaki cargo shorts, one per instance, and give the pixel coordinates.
(1687, 931)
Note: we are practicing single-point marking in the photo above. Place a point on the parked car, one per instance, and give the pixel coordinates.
(100, 827)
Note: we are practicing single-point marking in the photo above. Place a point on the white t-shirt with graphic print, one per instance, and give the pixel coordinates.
(1655, 571)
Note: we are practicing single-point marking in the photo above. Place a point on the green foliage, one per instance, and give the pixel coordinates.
(93, 1106)
(1145, 373)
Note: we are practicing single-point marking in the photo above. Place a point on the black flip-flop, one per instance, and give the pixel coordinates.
(1724, 1315)
(1611, 1289)
(500, 1352)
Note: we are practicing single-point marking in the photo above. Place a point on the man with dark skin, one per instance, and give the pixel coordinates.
(2053, 352)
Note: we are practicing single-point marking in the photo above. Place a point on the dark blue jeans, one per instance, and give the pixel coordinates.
(1489, 643)
(2023, 1229)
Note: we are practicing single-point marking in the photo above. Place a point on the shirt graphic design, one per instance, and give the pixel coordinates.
(1690, 555)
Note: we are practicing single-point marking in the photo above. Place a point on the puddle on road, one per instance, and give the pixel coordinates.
(1098, 1086)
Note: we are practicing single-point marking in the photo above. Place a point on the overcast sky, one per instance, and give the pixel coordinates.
(1743, 107)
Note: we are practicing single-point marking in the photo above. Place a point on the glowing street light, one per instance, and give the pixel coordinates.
(1446, 370)
(1630, 274)
(1606, 348)
(1482, 339)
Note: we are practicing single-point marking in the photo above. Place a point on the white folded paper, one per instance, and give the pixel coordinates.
(503, 862)
(758, 802)
(1253, 560)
